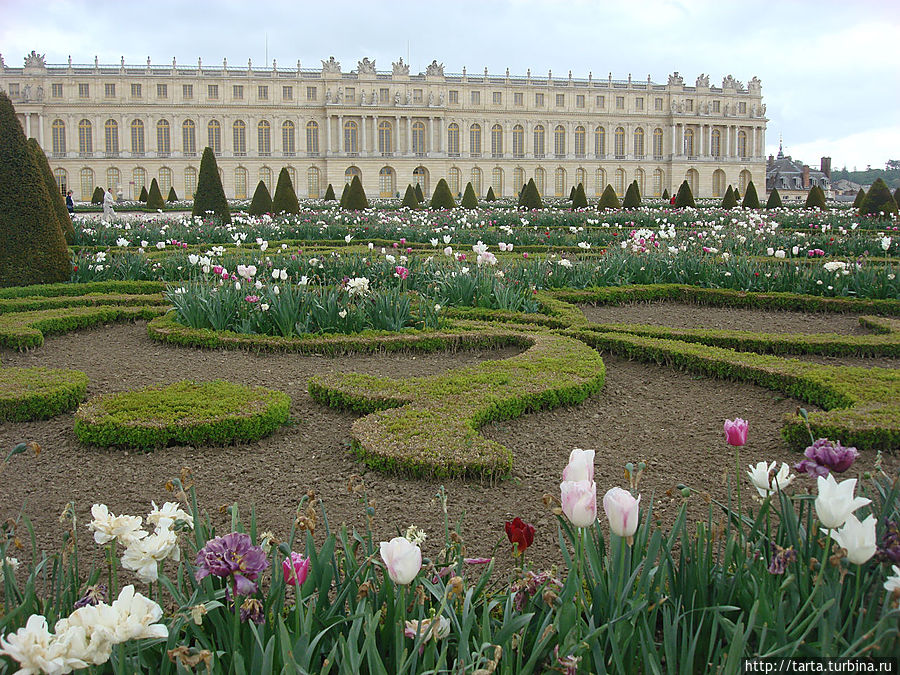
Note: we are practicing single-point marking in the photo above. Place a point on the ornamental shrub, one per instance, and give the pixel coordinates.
(685, 197)
(728, 201)
(97, 197)
(490, 196)
(531, 198)
(897, 197)
(172, 196)
(632, 197)
(774, 201)
(666, 195)
(737, 194)
(420, 196)
(356, 196)
(56, 198)
(210, 196)
(144, 194)
(442, 198)
(858, 200)
(879, 201)
(815, 198)
(329, 193)
(637, 189)
(469, 200)
(751, 199)
(344, 192)
(409, 198)
(609, 199)
(262, 201)
(32, 246)
(579, 201)
(154, 197)
(572, 194)
(285, 199)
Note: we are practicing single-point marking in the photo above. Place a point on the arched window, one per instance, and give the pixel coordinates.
(689, 143)
(560, 182)
(165, 181)
(420, 177)
(744, 179)
(619, 143)
(476, 181)
(215, 136)
(87, 184)
(163, 138)
(386, 182)
(113, 178)
(264, 138)
(518, 179)
(497, 181)
(58, 129)
(742, 146)
(418, 137)
(497, 141)
(190, 182)
(265, 175)
(639, 143)
(351, 172)
(351, 136)
(539, 147)
(385, 137)
(189, 137)
(111, 138)
(657, 144)
(475, 139)
(85, 138)
(579, 141)
(658, 178)
(559, 140)
(137, 138)
(620, 182)
(641, 180)
(718, 183)
(239, 129)
(716, 144)
(312, 145)
(540, 180)
(601, 182)
(693, 179)
(288, 143)
(62, 180)
(453, 140)
(518, 141)
(139, 178)
(292, 174)
(455, 177)
(580, 178)
(600, 143)
(312, 173)
(240, 183)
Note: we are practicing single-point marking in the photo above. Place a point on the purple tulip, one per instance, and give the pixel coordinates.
(825, 456)
(736, 432)
(232, 556)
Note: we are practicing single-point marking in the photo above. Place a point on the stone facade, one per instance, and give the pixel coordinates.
(793, 178)
(126, 124)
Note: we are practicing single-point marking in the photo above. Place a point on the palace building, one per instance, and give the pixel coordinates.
(123, 125)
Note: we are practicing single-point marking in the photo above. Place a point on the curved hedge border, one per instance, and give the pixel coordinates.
(429, 425)
(124, 287)
(39, 393)
(33, 304)
(184, 413)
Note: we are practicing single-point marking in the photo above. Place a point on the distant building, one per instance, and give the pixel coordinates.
(793, 178)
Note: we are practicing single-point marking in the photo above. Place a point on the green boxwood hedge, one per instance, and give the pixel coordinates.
(48, 290)
(39, 393)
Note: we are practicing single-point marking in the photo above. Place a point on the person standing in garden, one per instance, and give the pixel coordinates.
(108, 200)
(70, 203)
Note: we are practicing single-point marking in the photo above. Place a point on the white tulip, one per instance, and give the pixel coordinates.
(402, 558)
(858, 538)
(836, 501)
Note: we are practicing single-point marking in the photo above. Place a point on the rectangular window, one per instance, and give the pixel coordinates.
(715, 106)
(601, 101)
(212, 91)
(639, 103)
(689, 105)
(742, 108)
(560, 100)
(135, 90)
(454, 96)
(350, 94)
(539, 100)
(14, 89)
(476, 97)
(84, 90)
(312, 93)
(56, 90)
(620, 103)
(657, 103)
(237, 92)
(417, 95)
(162, 91)
(518, 98)
(384, 95)
(262, 92)
(109, 90)
(187, 91)
(579, 101)
(497, 98)
(287, 93)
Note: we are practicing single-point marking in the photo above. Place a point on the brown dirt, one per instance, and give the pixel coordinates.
(670, 419)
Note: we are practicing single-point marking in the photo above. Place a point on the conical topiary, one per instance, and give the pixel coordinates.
(344, 194)
(356, 196)
(815, 198)
(685, 197)
(262, 201)
(666, 195)
(879, 201)
(173, 197)
(419, 194)
(409, 198)
(490, 196)
(97, 197)
(469, 200)
(632, 197)
(32, 246)
(572, 194)
(609, 199)
(285, 199)
(897, 197)
(637, 189)
(751, 199)
(56, 198)
(329, 194)
(728, 201)
(858, 200)
(442, 198)
(210, 196)
(155, 202)
(737, 194)
(579, 201)
(531, 198)
(774, 201)
(144, 194)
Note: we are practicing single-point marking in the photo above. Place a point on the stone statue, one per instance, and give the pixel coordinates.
(148, 64)
(35, 60)
(374, 97)
(681, 106)
(441, 99)
(730, 82)
(362, 97)
(431, 99)
(727, 109)
(365, 67)
(2, 62)
(755, 84)
(328, 96)
(753, 110)
(331, 66)
(762, 110)
(27, 92)
(400, 68)
(408, 98)
(676, 80)
(40, 93)
(397, 98)
(435, 69)
(340, 95)
(703, 80)
(674, 107)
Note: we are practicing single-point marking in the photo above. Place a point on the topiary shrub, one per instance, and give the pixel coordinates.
(579, 201)
(632, 197)
(572, 194)
(356, 196)
(751, 199)
(56, 198)
(666, 195)
(344, 193)
(897, 197)
(409, 198)
(879, 201)
(154, 197)
(728, 201)
(329, 194)
(858, 200)
(609, 199)
(32, 246)
(442, 198)
(815, 198)
(469, 200)
(685, 198)
(774, 201)
(144, 194)
(531, 198)
(97, 197)
(737, 194)
(490, 196)
(262, 201)
(210, 196)
(285, 199)
(419, 194)
(172, 197)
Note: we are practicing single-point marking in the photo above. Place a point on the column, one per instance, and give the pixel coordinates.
(431, 144)
(529, 140)
(728, 141)
(409, 135)
(395, 137)
(327, 134)
(41, 130)
(27, 125)
(340, 135)
(365, 147)
(440, 135)
(629, 141)
(753, 147)
(674, 141)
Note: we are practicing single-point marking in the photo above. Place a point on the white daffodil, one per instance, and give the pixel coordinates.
(165, 517)
(107, 527)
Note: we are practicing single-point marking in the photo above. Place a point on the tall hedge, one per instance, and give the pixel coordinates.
(879, 201)
(751, 199)
(285, 199)
(329, 193)
(210, 196)
(609, 199)
(774, 201)
(419, 194)
(442, 198)
(56, 198)
(262, 201)
(632, 197)
(144, 194)
(97, 196)
(32, 246)
(356, 196)
(685, 197)
(154, 197)
(579, 201)
(409, 198)
(815, 198)
(728, 201)
(469, 200)
(490, 196)
(531, 198)
(172, 197)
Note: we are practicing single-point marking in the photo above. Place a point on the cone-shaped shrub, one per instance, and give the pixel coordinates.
(858, 200)
(572, 194)
(728, 201)
(285, 199)
(637, 189)
(666, 195)
(420, 196)
(579, 201)
(879, 201)
(442, 198)
(469, 200)
(144, 194)
(609, 199)
(751, 199)
(154, 197)
(737, 194)
(774, 201)
(897, 197)
(262, 201)
(344, 194)
(531, 198)
(815, 198)
(172, 197)
(32, 246)
(97, 197)
(685, 197)
(409, 198)
(329, 193)
(490, 196)
(210, 196)
(356, 196)
(56, 198)
(632, 198)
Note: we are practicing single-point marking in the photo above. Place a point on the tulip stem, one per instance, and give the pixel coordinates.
(737, 456)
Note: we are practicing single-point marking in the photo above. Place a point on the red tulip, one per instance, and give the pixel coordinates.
(520, 534)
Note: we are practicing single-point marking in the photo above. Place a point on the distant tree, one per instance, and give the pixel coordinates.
(144, 195)
(285, 199)
(442, 198)
(209, 195)
(751, 199)
(579, 201)
(892, 165)
(356, 196)
(97, 197)
(172, 197)
(815, 198)
(774, 201)
(879, 201)
(409, 198)
(329, 193)
(685, 197)
(860, 195)
(490, 196)
(632, 198)
(608, 200)
(420, 196)
(531, 198)
(56, 198)
(728, 201)
(469, 200)
(262, 201)
(155, 201)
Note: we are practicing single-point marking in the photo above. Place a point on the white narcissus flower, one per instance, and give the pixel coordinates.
(166, 516)
(836, 501)
(136, 617)
(448, 251)
(143, 557)
(766, 481)
(858, 538)
(402, 558)
(892, 585)
(13, 564)
(580, 466)
(32, 646)
(107, 526)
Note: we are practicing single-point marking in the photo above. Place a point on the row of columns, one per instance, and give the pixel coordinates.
(703, 144)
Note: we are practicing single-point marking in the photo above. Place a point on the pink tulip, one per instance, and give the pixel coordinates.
(622, 511)
(580, 466)
(579, 502)
(295, 570)
(401, 272)
(736, 432)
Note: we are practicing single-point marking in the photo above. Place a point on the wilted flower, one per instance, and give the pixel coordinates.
(766, 481)
(520, 534)
(93, 595)
(780, 558)
(569, 664)
(402, 558)
(232, 556)
(892, 585)
(252, 610)
(530, 584)
(824, 456)
(579, 502)
(858, 538)
(295, 570)
(736, 432)
(889, 549)
(429, 629)
(836, 501)
(622, 511)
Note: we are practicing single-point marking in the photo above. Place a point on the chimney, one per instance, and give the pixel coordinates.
(771, 161)
(826, 167)
(806, 176)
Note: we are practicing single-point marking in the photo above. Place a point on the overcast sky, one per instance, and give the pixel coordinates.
(830, 69)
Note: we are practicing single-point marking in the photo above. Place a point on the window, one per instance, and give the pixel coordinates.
(518, 98)
(716, 145)
(638, 143)
(312, 141)
(518, 178)
(601, 181)
(560, 182)
(742, 146)
(240, 183)
(559, 140)
(640, 179)
(312, 182)
(475, 97)
(190, 182)
(215, 136)
(384, 95)
(620, 182)
(658, 104)
(692, 177)
(418, 138)
(579, 101)
(497, 141)
(85, 137)
(265, 175)
(14, 89)
(264, 138)
(497, 181)
(58, 129)
(619, 139)
(351, 136)
(639, 103)
(657, 183)
(518, 141)
(62, 181)
(718, 183)
(386, 181)
(288, 146)
(84, 90)
(453, 140)
(689, 105)
(311, 95)
(137, 138)
(165, 181)
(601, 101)
(454, 96)
(187, 92)
(454, 180)
(539, 140)
(742, 108)
(539, 100)
(476, 181)
(620, 103)
(420, 178)
(189, 137)
(139, 178)
(239, 136)
(475, 139)
(715, 106)
(56, 90)
(350, 173)
(657, 143)
(109, 90)
(497, 98)
(417, 95)
(600, 142)
(162, 91)
(113, 178)
(292, 174)
(111, 137)
(212, 91)
(560, 100)
(87, 184)
(136, 90)
(385, 137)
(540, 180)
(689, 142)
(163, 139)
(262, 92)
(350, 94)
(580, 177)
(237, 92)
(287, 93)
(579, 141)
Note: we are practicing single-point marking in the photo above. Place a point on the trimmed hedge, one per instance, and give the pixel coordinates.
(410, 201)
(469, 200)
(608, 200)
(56, 198)
(751, 199)
(878, 201)
(774, 201)
(355, 199)
(442, 198)
(728, 201)
(261, 202)
(39, 393)
(685, 198)
(184, 413)
(10, 305)
(210, 195)
(285, 199)
(69, 289)
(155, 200)
(530, 198)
